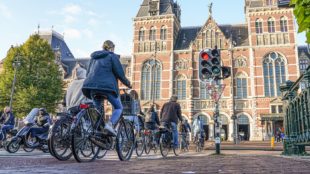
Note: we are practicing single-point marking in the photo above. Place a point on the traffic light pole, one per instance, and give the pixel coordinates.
(217, 128)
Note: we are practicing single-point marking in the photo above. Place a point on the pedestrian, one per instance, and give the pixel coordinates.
(170, 114)
(8, 120)
(104, 71)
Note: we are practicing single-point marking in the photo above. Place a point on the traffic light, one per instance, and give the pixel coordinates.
(210, 66)
(205, 65)
(226, 72)
(216, 63)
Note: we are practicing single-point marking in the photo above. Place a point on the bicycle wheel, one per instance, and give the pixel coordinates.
(125, 140)
(102, 153)
(148, 144)
(13, 146)
(82, 148)
(59, 142)
(164, 144)
(140, 143)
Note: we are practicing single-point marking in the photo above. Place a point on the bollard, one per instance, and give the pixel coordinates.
(272, 143)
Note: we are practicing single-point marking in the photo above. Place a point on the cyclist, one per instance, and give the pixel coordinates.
(171, 113)
(43, 122)
(198, 128)
(8, 121)
(152, 123)
(74, 96)
(151, 119)
(104, 71)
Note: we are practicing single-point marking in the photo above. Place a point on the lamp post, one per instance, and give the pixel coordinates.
(16, 64)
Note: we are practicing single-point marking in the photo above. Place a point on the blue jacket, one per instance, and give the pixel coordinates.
(8, 119)
(104, 71)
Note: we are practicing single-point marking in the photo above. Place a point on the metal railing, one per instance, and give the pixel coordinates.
(297, 115)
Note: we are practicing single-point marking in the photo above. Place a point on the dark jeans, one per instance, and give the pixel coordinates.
(5, 129)
(115, 102)
(34, 131)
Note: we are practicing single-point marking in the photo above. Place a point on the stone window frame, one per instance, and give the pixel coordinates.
(151, 75)
(180, 86)
(271, 25)
(283, 24)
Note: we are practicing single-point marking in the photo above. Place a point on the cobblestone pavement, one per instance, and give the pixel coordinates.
(192, 162)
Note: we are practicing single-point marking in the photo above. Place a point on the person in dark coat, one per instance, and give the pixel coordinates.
(8, 121)
(171, 113)
(104, 71)
(43, 122)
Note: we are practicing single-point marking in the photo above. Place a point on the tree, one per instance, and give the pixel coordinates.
(302, 13)
(39, 82)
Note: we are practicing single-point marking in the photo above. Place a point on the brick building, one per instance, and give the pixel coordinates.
(262, 52)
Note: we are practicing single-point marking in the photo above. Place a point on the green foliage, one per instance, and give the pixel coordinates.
(302, 13)
(38, 79)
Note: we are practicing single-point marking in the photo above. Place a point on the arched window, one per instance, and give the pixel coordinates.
(274, 74)
(241, 86)
(204, 119)
(271, 27)
(259, 26)
(150, 80)
(142, 34)
(283, 24)
(163, 33)
(153, 33)
(224, 119)
(243, 120)
(180, 87)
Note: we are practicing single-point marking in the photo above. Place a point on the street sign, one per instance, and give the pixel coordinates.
(217, 140)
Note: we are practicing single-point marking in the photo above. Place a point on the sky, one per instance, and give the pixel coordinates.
(86, 24)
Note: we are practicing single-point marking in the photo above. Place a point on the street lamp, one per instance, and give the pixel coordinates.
(16, 64)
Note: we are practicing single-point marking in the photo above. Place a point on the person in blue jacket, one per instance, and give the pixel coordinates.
(104, 71)
(8, 121)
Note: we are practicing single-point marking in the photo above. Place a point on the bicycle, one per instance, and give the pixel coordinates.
(59, 138)
(151, 141)
(200, 142)
(166, 140)
(184, 144)
(88, 136)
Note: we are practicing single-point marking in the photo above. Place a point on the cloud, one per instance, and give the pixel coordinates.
(4, 11)
(70, 19)
(92, 22)
(78, 53)
(72, 33)
(72, 9)
(88, 33)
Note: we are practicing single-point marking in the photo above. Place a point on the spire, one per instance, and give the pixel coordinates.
(39, 28)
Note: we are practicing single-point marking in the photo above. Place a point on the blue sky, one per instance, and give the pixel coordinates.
(86, 24)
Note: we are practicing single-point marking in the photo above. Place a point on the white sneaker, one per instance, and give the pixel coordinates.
(109, 127)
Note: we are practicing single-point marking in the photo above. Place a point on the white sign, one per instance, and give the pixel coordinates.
(217, 140)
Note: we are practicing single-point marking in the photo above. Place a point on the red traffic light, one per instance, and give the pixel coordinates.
(205, 56)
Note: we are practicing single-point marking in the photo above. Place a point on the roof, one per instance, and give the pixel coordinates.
(57, 42)
(239, 33)
(303, 52)
(69, 64)
(166, 7)
(188, 34)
